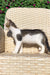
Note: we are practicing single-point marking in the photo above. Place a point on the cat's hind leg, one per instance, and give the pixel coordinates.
(41, 48)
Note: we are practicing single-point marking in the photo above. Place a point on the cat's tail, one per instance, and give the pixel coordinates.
(47, 46)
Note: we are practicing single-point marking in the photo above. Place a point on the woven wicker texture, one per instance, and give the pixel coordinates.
(24, 64)
(2, 40)
(28, 18)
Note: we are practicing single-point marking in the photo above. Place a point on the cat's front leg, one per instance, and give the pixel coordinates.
(21, 49)
(18, 45)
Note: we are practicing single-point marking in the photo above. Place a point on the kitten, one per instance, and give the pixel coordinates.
(27, 36)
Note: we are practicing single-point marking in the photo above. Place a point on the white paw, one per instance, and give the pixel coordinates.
(14, 52)
(21, 52)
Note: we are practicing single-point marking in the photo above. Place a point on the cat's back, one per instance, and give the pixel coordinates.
(32, 32)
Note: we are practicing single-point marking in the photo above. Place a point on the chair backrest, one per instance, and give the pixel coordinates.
(29, 18)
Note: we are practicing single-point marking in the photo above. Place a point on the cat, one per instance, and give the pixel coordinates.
(27, 36)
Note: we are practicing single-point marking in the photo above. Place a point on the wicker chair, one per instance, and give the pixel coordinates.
(26, 63)
(28, 18)
(2, 40)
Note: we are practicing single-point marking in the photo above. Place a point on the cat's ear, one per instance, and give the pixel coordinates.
(7, 23)
(10, 22)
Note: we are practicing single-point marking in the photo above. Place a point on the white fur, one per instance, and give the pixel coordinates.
(15, 31)
(32, 38)
(18, 44)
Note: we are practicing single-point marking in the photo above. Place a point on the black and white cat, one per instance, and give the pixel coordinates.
(27, 36)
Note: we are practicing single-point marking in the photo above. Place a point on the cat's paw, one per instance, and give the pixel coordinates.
(14, 52)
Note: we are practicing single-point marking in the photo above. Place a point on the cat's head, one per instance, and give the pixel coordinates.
(10, 23)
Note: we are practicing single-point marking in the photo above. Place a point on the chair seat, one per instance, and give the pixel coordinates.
(24, 64)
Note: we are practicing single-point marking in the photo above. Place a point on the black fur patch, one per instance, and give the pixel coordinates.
(9, 33)
(31, 32)
(19, 37)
